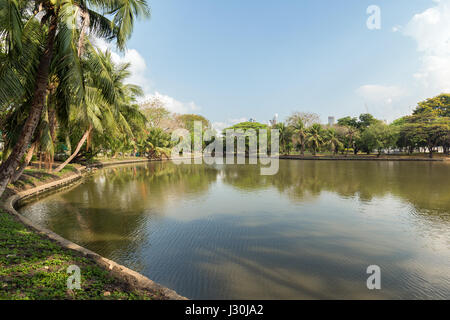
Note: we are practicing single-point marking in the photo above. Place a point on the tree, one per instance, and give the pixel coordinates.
(427, 129)
(157, 144)
(366, 120)
(307, 118)
(245, 127)
(440, 105)
(333, 140)
(155, 112)
(352, 134)
(375, 137)
(299, 131)
(285, 136)
(315, 137)
(348, 122)
(188, 121)
(109, 103)
(64, 38)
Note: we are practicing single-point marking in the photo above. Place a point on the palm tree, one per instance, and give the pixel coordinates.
(314, 137)
(158, 143)
(301, 133)
(351, 133)
(109, 103)
(62, 40)
(285, 137)
(333, 141)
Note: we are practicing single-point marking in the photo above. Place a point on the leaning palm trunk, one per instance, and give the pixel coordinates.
(24, 164)
(52, 127)
(77, 149)
(86, 135)
(8, 168)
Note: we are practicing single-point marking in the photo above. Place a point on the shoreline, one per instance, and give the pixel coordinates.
(118, 271)
(363, 158)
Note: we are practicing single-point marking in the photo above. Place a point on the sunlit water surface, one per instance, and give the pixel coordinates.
(311, 231)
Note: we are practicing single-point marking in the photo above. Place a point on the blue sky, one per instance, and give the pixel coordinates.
(232, 60)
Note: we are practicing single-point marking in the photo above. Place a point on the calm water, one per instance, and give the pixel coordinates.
(220, 232)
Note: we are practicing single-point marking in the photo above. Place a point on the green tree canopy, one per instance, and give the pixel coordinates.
(440, 105)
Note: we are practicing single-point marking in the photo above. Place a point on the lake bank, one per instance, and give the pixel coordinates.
(366, 157)
(31, 255)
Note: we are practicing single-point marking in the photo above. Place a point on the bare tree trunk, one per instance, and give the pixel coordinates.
(77, 149)
(24, 164)
(8, 168)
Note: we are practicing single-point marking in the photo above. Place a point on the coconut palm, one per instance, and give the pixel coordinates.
(158, 143)
(300, 132)
(62, 40)
(285, 137)
(109, 104)
(333, 140)
(351, 134)
(314, 137)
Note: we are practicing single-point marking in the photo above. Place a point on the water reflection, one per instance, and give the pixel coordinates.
(228, 232)
(426, 185)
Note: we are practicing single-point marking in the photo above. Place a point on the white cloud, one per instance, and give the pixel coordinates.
(384, 102)
(138, 68)
(374, 93)
(219, 126)
(396, 28)
(431, 31)
(172, 104)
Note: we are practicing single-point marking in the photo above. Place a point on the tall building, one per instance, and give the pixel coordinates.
(331, 121)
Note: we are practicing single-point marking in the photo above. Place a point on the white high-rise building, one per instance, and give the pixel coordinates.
(331, 120)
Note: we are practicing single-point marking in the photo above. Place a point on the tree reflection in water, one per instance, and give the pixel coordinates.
(225, 231)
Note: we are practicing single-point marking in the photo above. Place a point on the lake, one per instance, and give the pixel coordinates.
(227, 232)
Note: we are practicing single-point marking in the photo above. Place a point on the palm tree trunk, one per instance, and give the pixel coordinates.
(52, 124)
(77, 149)
(8, 167)
(24, 164)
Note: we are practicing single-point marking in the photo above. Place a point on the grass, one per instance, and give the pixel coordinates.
(35, 267)
(33, 177)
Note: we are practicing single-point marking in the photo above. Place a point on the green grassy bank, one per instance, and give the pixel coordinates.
(34, 267)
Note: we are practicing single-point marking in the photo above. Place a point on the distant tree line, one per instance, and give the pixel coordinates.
(426, 129)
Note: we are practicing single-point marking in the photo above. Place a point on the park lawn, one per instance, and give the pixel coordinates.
(35, 267)
(33, 177)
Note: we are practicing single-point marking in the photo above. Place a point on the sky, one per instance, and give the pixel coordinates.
(234, 60)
